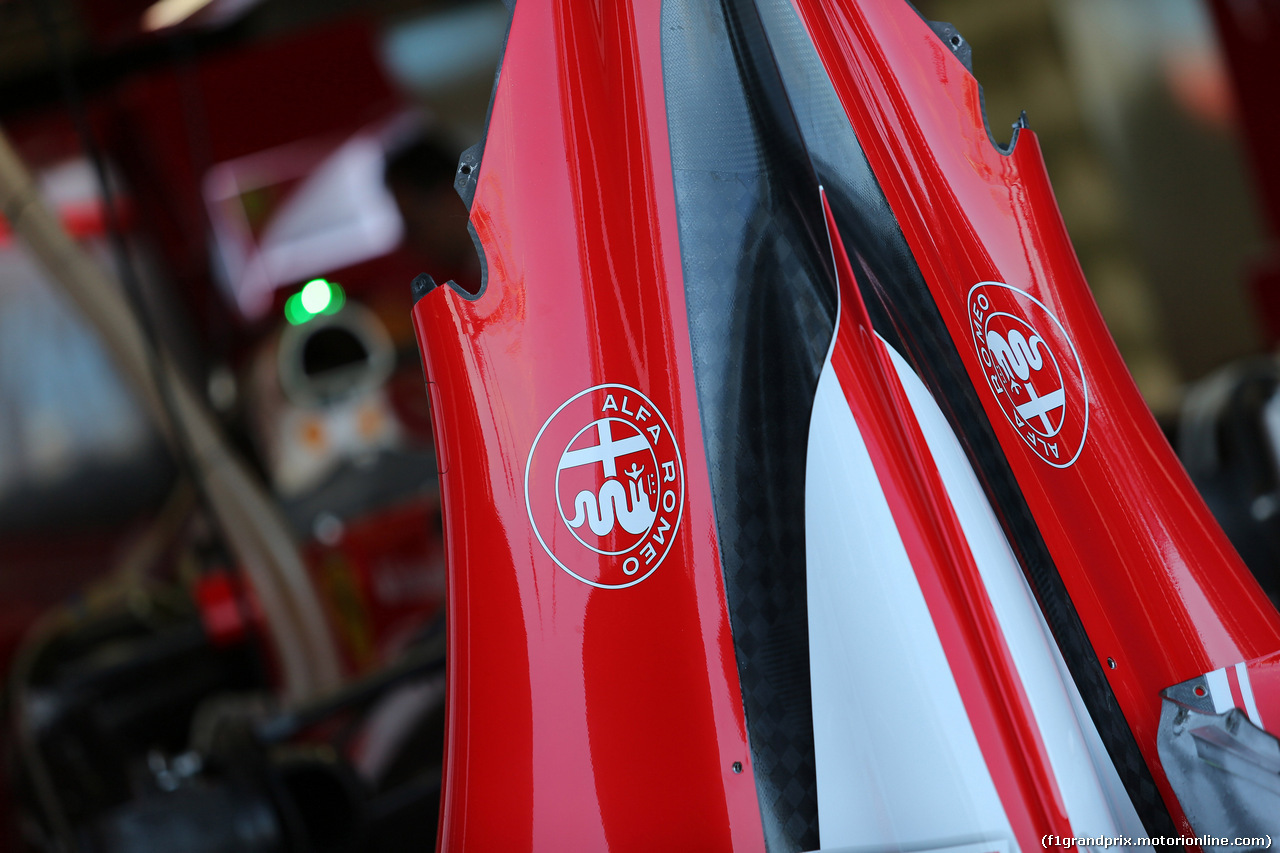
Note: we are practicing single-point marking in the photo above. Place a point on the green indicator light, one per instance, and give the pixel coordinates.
(316, 295)
(294, 312)
(337, 298)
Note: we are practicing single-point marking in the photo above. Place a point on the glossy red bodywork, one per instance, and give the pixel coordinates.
(1159, 589)
(578, 718)
(988, 681)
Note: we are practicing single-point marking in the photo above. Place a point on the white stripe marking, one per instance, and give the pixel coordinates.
(1081, 778)
(1246, 691)
(1219, 690)
(898, 764)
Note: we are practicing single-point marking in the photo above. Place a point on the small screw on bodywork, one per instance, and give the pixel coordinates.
(737, 767)
(1111, 663)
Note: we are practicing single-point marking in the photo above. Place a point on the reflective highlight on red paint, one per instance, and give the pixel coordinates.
(579, 717)
(990, 688)
(1157, 585)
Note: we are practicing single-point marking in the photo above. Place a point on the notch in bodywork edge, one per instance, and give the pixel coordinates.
(950, 36)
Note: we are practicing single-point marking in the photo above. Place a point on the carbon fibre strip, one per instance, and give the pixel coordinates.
(762, 305)
(903, 312)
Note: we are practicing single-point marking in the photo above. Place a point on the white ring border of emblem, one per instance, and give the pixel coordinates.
(1084, 383)
(528, 466)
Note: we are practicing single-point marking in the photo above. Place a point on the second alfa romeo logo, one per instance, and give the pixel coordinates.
(604, 486)
(1033, 370)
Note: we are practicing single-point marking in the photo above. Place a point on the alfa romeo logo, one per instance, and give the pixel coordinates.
(1032, 369)
(604, 486)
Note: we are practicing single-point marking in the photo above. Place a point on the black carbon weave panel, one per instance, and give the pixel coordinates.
(903, 312)
(762, 304)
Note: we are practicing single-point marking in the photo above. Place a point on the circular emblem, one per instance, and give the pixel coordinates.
(1032, 369)
(604, 486)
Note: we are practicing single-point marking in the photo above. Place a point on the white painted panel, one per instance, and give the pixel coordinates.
(1220, 691)
(1086, 777)
(1246, 693)
(898, 764)
(1117, 797)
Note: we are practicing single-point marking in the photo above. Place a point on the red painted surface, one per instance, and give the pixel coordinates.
(1233, 681)
(382, 582)
(224, 610)
(81, 221)
(1264, 678)
(1249, 34)
(1155, 581)
(579, 718)
(992, 692)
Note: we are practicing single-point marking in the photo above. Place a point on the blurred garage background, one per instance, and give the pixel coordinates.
(261, 179)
